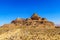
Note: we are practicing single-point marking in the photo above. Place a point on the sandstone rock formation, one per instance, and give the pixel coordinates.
(35, 17)
(33, 28)
(34, 21)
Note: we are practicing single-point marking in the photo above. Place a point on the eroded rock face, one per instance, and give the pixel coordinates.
(35, 17)
(35, 21)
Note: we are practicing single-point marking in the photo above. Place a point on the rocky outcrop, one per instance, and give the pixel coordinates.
(35, 21)
(33, 28)
(35, 17)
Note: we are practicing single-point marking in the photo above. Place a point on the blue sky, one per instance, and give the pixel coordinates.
(11, 9)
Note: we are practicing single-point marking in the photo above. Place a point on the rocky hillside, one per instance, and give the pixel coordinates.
(34, 21)
(33, 28)
(31, 34)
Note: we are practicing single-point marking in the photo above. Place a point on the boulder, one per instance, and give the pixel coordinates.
(35, 17)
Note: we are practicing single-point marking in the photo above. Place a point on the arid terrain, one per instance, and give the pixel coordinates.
(33, 28)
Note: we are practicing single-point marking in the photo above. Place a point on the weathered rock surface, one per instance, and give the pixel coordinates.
(31, 34)
(36, 21)
(33, 28)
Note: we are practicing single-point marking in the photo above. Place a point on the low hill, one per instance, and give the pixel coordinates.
(33, 28)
